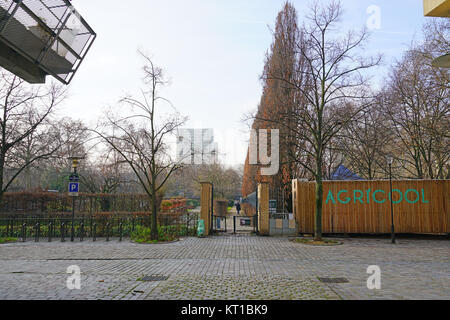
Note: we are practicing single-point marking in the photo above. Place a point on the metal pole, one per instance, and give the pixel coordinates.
(73, 218)
(73, 212)
(257, 213)
(392, 208)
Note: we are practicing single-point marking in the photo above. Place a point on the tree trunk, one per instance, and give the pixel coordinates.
(319, 195)
(2, 170)
(318, 212)
(154, 225)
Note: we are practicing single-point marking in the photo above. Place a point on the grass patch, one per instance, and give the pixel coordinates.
(324, 242)
(7, 240)
(143, 235)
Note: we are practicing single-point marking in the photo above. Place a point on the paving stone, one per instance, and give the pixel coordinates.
(225, 267)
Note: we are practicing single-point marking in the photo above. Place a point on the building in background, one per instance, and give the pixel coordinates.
(197, 146)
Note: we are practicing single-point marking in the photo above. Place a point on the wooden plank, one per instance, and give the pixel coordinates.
(364, 206)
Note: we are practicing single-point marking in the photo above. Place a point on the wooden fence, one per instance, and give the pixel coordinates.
(420, 206)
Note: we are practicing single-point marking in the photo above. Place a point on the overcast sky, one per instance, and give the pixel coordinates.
(212, 50)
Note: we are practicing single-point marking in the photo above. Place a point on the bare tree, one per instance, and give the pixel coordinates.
(73, 138)
(330, 85)
(140, 137)
(418, 106)
(363, 142)
(104, 174)
(25, 132)
(227, 181)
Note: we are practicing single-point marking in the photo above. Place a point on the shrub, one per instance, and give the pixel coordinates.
(143, 235)
(7, 240)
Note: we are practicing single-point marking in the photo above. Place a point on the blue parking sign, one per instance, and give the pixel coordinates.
(74, 187)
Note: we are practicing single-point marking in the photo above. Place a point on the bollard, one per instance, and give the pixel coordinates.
(50, 230)
(121, 231)
(62, 232)
(9, 228)
(24, 232)
(234, 224)
(187, 226)
(36, 232)
(107, 231)
(94, 238)
(81, 231)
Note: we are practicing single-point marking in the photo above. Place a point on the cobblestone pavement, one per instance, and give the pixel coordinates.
(226, 267)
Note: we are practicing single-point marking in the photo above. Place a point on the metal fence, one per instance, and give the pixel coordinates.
(63, 228)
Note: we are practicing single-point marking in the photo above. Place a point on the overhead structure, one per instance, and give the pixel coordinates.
(436, 8)
(442, 62)
(43, 37)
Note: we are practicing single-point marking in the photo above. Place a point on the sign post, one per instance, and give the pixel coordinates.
(74, 189)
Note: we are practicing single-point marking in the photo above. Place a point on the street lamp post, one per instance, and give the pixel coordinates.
(390, 160)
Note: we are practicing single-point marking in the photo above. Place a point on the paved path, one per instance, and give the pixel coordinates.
(226, 267)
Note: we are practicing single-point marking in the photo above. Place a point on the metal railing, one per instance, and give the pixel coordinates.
(93, 227)
(220, 224)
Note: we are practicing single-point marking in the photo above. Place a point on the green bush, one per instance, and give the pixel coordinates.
(7, 240)
(143, 235)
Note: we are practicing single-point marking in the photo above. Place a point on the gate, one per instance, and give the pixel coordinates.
(219, 224)
(282, 224)
(247, 223)
(281, 219)
(244, 224)
(235, 224)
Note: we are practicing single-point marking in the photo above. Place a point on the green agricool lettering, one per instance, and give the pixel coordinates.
(379, 196)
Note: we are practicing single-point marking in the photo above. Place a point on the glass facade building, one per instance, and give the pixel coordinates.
(196, 146)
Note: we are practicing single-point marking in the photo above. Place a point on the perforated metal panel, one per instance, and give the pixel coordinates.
(50, 34)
